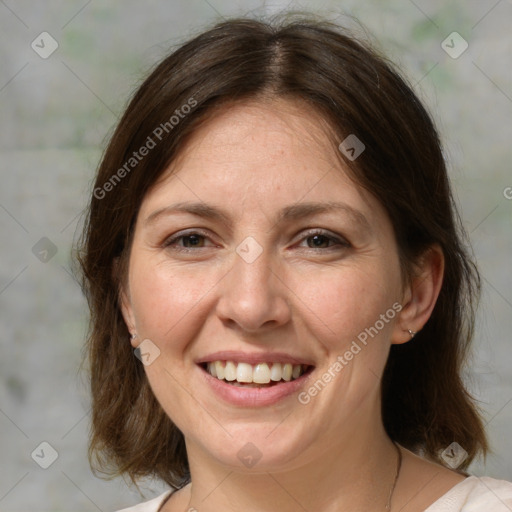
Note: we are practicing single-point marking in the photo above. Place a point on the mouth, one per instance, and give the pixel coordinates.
(260, 375)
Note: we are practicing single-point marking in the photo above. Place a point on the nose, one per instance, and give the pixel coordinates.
(253, 295)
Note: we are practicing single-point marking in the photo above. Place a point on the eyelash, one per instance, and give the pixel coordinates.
(338, 241)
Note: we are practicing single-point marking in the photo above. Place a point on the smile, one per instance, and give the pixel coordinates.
(258, 375)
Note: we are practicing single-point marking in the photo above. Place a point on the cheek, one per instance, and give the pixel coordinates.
(344, 303)
(166, 298)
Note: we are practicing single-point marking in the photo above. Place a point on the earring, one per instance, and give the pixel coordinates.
(412, 333)
(133, 336)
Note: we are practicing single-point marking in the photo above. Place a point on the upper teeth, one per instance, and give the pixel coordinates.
(261, 373)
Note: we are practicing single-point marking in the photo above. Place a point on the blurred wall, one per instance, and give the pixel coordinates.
(57, 109)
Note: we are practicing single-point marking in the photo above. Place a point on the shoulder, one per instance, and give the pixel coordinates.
(149, 506)
(475, 494)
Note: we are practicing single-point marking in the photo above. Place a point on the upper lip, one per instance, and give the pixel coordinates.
(253, 357)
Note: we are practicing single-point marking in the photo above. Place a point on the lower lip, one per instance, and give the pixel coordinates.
(253, 397)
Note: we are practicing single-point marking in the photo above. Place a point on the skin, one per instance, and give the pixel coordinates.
(252, 160)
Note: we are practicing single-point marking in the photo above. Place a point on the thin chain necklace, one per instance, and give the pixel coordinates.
(397, 474)
(392, 490)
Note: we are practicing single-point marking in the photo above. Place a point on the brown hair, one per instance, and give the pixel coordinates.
(425, 404)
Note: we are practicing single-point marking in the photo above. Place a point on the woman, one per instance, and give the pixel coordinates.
(281, 300)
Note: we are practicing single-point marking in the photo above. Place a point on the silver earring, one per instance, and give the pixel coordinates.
(412, 333)
(133, 336)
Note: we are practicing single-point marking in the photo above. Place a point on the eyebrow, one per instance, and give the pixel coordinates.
(289, 213)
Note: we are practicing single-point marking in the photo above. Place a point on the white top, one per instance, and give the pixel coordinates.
(473, 494)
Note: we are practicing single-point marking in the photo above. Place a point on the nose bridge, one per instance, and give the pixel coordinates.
(251, 296)
(251, 271)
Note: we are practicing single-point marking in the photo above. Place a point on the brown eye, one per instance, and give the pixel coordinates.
(185, 241)
(318, 241)
(192, 240)
(323, 240)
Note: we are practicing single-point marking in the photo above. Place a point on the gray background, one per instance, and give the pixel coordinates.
(55, 116)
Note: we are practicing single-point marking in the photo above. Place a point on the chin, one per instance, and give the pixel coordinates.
(256, 449)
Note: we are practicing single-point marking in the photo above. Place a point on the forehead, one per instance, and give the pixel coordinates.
(279, 124)
(258, 153)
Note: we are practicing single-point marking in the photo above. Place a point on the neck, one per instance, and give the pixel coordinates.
(354, 472)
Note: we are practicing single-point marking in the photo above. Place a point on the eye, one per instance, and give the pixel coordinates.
(187, 241)
(319, 239)
(315, 239)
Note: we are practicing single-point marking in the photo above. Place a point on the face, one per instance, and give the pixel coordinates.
(255, 254)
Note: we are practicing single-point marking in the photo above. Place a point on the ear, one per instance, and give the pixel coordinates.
(125, 301)
(420, 294)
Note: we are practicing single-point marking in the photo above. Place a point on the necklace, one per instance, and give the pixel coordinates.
(397, 474)
(391, 491)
